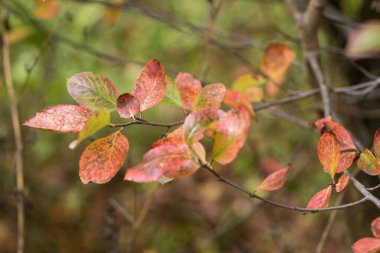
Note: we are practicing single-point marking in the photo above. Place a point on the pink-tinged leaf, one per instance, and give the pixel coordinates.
(230, 134)
(127, 105)
(364, 41)
(93, 91)
(211, 96)
(61, 118)
(165, 161)
(274, 181)
(173, 138)
(345, 161)
(189, 88)
(342, 183)
(376, 143)
(97, 121)
(150, 86)
(321, 199)
(366, 245)
(103, 158)
(237, 99)
(368, 163)
(200, 122)
(329, 153)
(375, 227)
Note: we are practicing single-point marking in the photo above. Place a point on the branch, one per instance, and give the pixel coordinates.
(138, 121)
(273, 203)
(363, 189)
(16, 132)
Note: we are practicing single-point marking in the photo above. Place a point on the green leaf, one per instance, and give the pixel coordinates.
(97, 121)
(368, 163)
(172, 94)
(95, 92)
(364, 41)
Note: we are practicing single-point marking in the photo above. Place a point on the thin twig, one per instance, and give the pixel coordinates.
(17, 135)
(139, 121)
(373, 188)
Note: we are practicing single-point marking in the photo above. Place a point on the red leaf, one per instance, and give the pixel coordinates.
(189, 88)
(376, 143)
(46, 9)
(375, 227)
(368, 163)
(321, 199)
(165, 161)
(274, 181)
(103, 158)
(150, 86)
(200, 122)
(329, 153)
(366, 245)
(93, 91)
(230, 134)
(237, 99)
(61, 118)
(173, 138)
(127, 105)
(342, 182)
(210, 96)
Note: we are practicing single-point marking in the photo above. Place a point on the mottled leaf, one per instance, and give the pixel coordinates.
(61, 118)
(93, 91)
(172, 93)
(274, 181)
(150, 86)
(230, 134)
(46, 9)
(189, 88)
(210, 96)
(321, 199)
(368, 163)
(342, 182)
(165, 161)
(173, 138)
(200, 122)
(364, 41)
(275, 62)
(375, 227)
(127, 105)
(103, 158)
(97, 121)
(376, 143)
(329, 153)
(366, 245)
(237, 99)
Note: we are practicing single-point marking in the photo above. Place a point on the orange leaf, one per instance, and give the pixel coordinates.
(237, 99)
(150, 86)
(329, 153)
(321, 199)
(61, 118)
(342, 182)
(274, 181)
(173, 138)
(188, 88)
(366, 245)
(46, 9)
(375, 227)
(275, 62)
(103, 158)
(112, 15)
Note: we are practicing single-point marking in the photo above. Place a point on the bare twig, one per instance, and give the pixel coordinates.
(17, 134)
(373, 188)
(139, 121)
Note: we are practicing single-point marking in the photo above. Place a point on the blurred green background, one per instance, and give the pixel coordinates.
(193, 214)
